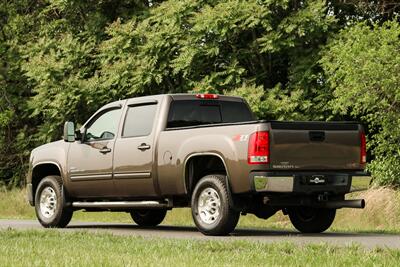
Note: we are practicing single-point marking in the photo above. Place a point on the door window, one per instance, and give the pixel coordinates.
(139, 120)
(104, 127)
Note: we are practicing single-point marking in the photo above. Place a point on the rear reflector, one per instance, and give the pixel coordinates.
(207, 96)
(363, 149)
(258, 150)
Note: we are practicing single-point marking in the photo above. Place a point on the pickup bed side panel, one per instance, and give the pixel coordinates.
(230, 142)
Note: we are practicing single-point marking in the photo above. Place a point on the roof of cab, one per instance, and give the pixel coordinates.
(195, 97)
(175, 97)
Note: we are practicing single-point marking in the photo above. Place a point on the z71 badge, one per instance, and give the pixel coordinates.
(240, 137)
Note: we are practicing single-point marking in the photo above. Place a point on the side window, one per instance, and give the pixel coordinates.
(104, 127)
(139, 120)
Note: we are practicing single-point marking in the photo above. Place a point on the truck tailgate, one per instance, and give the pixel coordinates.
(315, 146)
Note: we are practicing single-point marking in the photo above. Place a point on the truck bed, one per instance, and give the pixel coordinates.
(294, 148)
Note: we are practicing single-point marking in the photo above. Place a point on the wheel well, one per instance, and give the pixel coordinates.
(200, 166)
(41, 171)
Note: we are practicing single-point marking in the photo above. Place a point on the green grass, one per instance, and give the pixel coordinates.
(55, 248)
(382, 214)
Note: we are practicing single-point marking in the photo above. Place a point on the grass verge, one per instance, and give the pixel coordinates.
(382, 214)
(54, 248)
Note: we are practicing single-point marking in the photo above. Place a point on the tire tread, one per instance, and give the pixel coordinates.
(64, 217)
(153, 218)
(322, 222)
(230, 216)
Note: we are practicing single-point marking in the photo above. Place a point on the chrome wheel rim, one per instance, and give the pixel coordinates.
(209, 205)
(48, 202)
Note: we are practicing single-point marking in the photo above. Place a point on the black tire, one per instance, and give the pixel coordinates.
(227, 218)
(148, 218)
(311, 220)
(59, 215)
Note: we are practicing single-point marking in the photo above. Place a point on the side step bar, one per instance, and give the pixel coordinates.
(123, 205)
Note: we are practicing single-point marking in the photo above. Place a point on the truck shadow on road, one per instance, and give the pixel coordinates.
(240, 232)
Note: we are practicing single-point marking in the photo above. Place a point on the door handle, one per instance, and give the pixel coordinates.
(105, 150)
(143, 147)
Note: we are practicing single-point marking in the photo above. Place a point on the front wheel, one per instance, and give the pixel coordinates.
(212, 207)
(50, 203)
(147, 217)
(311, 220)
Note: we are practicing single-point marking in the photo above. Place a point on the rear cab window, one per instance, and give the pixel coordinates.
(186, 113)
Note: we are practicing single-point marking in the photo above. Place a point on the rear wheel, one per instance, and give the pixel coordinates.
(311, 220)
(50, 203)
(147, 218)
(212, 210)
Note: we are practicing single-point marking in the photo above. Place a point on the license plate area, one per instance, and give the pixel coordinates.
(316, 179)
(310, 183)
(323, 179)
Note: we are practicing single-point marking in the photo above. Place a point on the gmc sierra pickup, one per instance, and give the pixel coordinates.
(150, 154)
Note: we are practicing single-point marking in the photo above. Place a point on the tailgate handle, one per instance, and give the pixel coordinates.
(317, 136)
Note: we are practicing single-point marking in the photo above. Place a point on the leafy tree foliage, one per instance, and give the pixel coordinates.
(62, 59)
(363, 68)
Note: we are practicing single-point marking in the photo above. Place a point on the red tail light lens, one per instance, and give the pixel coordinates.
(207, 96)
(258, 150)
(363, 149)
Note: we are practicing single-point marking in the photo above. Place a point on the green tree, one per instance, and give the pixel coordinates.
(47, 54)
(218, 46)
(362, 66)
(62, 59)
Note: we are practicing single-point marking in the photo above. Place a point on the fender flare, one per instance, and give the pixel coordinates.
(225, 166)
(38, 164)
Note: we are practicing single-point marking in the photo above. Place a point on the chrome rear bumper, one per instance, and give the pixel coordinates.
(309, 182)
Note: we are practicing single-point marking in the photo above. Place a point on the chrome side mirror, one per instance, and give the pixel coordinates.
(69, 132)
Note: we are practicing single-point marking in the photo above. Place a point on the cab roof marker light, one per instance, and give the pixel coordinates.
(207, 96)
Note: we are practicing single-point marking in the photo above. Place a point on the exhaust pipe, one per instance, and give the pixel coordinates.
(355, 204)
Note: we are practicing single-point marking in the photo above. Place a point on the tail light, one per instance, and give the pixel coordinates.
(363, 149)
(258, 150)
(207, 96)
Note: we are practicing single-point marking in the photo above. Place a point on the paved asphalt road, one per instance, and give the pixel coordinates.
(268, 236)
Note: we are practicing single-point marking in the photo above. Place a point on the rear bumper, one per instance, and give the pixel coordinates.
(309, 182)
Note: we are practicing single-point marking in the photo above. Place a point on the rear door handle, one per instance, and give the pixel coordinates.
(105, 150)
(143, 147)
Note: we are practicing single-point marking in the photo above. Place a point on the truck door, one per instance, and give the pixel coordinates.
(134, 150)
(90, 160)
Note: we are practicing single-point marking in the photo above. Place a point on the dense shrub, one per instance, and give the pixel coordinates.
(61, 60)
(362, 64)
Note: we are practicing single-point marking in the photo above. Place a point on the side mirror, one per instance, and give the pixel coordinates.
(69, 132)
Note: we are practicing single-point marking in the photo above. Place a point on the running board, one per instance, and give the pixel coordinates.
(123, 205)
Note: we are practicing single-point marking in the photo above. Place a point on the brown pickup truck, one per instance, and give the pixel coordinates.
(150, 154)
